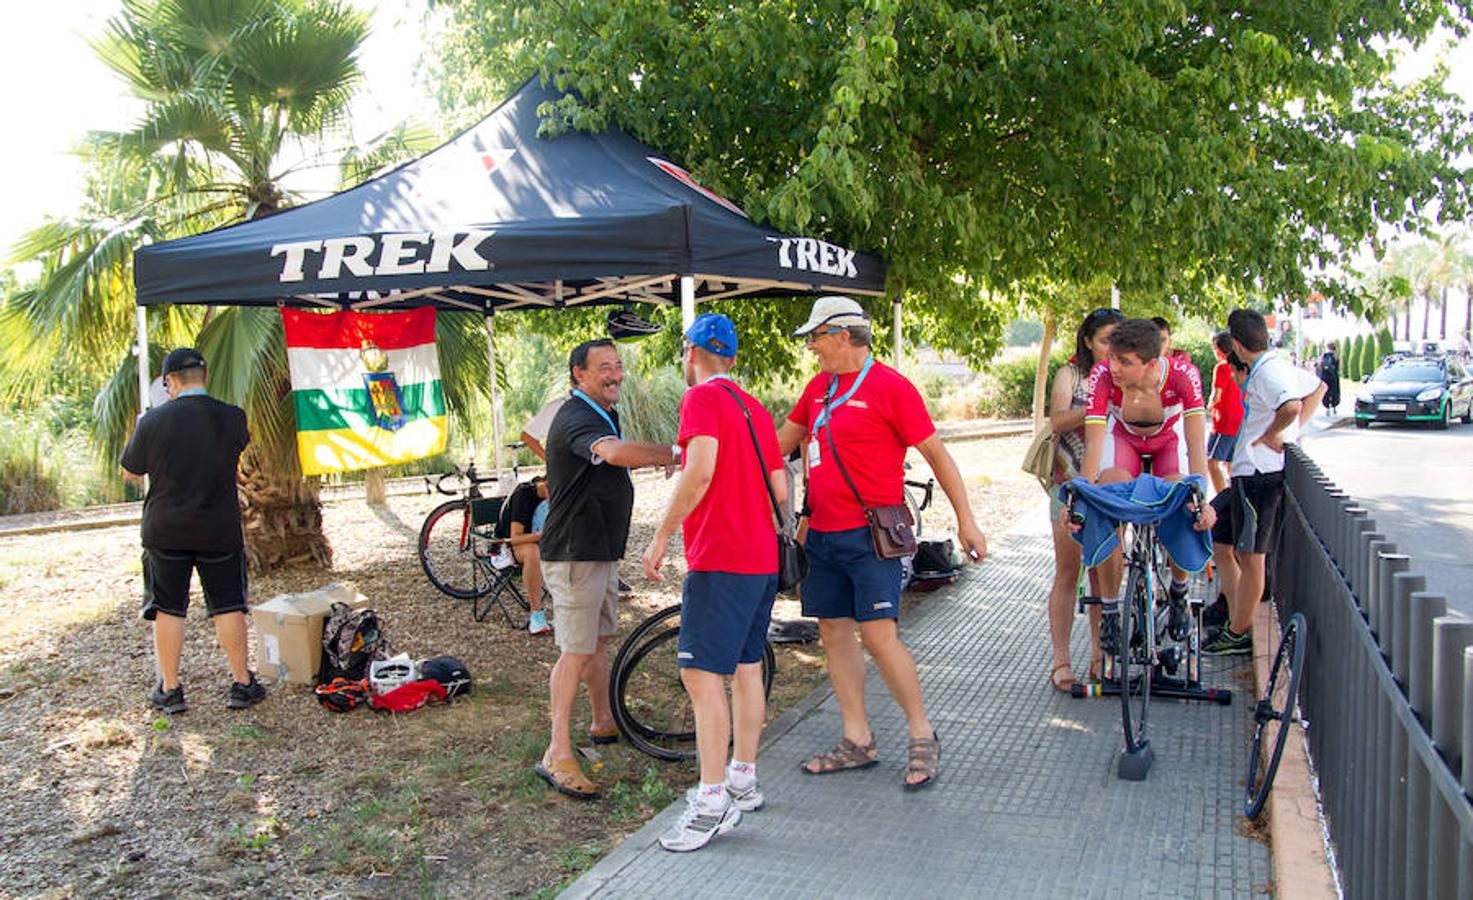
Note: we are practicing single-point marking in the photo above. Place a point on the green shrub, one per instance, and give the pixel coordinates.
(1385, 346)
(1368, 358)
(1350, 360)
(1012, 390)
(1022, 333)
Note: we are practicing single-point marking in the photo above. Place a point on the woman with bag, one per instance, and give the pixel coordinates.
(1066, 416)
(854, 422)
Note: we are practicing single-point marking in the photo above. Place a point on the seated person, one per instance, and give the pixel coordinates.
(518, 526)
(1143, 404)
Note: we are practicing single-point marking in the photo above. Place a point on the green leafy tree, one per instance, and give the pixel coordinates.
(1368, 358)
(232, 90)
(990, 153)
(1384, 344)
(1353, 359)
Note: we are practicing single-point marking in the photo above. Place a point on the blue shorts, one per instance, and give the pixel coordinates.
(1220, 446)
(846, 580)
(723, 620)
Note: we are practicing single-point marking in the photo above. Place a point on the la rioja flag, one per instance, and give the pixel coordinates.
(366, 387)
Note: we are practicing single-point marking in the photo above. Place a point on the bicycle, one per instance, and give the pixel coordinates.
(1280, 704)
(1150, 646)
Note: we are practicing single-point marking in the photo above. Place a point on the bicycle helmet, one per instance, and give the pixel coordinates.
(386, 674)
(626, 325)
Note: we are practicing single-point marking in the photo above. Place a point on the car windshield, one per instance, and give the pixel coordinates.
(1409, 372)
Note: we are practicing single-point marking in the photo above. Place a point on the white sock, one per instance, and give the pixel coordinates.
(711, 797)
(741, 774)
(1179, 585)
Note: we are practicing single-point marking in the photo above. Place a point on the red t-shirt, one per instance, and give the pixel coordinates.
(1227, 411)
(725, 532)
(872, 431)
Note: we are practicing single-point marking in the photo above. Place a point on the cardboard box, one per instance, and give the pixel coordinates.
(289, 632)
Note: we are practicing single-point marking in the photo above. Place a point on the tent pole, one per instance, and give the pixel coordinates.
(687, 302)
(141, 348)
(495, 391)
(896, 308)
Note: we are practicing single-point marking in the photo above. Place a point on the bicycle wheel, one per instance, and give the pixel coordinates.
(1277, 705)
(445, 551)
(1137, 653)
(915, 510)
(649, 701)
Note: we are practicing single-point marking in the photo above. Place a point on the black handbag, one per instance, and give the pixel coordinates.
(792, 561)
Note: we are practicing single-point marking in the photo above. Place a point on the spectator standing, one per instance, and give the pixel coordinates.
(1226, 408)
(189, 448)
(590, 499)
(730, 462)
(518, 526)
(871, 414)
(1329, 372)
(1068, 401)
(1278, 399)
(534, 433)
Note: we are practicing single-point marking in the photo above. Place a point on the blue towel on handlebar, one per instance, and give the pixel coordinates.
(1147, 499)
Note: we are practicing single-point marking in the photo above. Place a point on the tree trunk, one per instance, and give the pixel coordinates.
(1426, 312)
(1442, 310)
(373, 487)
(280, 512)
(1406, 322)
(1468, 313)
(1040, 378)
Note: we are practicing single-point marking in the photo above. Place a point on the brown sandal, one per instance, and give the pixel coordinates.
(925, 759)
(1065, 685)
(564, 776)
(845, 755)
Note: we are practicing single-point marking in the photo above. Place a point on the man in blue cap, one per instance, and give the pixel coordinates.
(729, 460)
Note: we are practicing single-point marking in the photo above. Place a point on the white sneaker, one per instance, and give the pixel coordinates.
(505, 559)
(749, 799)
(697, 826)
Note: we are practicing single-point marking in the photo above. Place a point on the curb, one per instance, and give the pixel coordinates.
(1296, 831)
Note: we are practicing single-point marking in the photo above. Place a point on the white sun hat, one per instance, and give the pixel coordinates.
(833, 310)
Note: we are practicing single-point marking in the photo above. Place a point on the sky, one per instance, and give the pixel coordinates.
(45, 44)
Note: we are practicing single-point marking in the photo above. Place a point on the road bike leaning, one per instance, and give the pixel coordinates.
(1274, 714)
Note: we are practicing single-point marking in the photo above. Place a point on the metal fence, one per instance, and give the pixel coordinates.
(1387, 687)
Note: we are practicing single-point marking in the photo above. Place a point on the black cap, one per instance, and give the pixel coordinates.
(182, 358)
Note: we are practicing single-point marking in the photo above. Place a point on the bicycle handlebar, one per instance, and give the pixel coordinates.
(468, 475)
(928, 486)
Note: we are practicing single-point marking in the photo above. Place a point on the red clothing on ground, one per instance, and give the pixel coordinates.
(1227, 407)
(731, 529)
(872, 431)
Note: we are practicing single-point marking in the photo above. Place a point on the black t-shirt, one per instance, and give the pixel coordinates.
(519, 507)
(189, 449)
(589, 501)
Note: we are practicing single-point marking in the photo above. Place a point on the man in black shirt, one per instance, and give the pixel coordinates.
(189, 449)
(515, 525)
(590, 497)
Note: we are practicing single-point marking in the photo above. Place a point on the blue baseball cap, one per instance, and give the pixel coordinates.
(713, 333)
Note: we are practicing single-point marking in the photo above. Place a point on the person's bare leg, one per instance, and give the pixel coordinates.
(748, 712)
(562, 693)
(1217, 470)
(898, 668)
(1243, 601)
(168, 647)
(230, 631)
(530, 559)
(1225, 561)
(707, 692)
(846, 673)
(1062, 594)
(596, 679)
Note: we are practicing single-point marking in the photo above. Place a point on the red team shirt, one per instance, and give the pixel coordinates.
(1227, 415)
(725, 532)
(1181, 396)
(872, 430)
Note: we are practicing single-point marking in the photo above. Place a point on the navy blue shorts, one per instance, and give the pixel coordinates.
(723, 620)
(1220, 446)
(846, 580)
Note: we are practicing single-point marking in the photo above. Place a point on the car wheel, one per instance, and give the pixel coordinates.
(1468, 413)
(1447, 414)
(1362, 423)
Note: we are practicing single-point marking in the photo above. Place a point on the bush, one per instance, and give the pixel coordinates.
(1385, 346)
(1022, 333)
(1368, 358)
(1350, 361)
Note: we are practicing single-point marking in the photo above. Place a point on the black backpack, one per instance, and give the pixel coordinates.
(351, 639)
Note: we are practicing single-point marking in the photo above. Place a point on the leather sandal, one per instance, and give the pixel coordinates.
(845, 755)
(564, 776)
(609, 736)
(925, 759)
(1063, 685)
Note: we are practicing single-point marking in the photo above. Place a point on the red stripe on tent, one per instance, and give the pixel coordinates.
(349, 330)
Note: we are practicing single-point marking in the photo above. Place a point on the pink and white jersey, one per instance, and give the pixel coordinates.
(1181, 396)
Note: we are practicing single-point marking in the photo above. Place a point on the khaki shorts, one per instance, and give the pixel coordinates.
(585, 602)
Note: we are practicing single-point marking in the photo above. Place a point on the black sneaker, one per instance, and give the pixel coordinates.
(168, 701)
(245, 695)
(624, 589)
(1225, 643)
(1216, 615)
(1177, 625)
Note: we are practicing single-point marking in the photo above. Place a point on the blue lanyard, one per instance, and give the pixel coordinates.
(600, 410)
(830, 404)
(1246, 381)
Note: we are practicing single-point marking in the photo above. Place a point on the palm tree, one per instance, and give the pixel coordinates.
(232, 90)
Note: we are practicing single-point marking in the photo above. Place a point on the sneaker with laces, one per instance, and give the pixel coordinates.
(537, 623)
(624, 589)
(1177, 622)
(244, 695)
(168, 701)
(697, 826)
(747, 799)
(1224, 642)
(1216, 615)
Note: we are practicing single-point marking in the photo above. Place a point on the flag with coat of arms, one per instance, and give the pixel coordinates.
(366, 388)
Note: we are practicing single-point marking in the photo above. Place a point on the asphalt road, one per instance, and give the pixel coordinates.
(1418, 485)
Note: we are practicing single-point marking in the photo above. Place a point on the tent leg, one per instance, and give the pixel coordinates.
(687, 302)
(495, 392)
(896, 308)
(141, 348)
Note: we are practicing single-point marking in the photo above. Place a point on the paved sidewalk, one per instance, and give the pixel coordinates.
(1027, 805)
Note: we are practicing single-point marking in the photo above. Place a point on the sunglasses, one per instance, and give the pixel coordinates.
(813, 336)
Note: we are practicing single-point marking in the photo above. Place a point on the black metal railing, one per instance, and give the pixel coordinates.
(1387, 684)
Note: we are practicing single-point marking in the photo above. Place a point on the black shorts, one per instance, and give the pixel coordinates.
(1248, 511)
(166, 581)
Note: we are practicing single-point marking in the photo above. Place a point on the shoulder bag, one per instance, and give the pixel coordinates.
(891, 528)
(792, 562)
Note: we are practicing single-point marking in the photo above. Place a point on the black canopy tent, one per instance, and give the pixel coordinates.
(500, 219)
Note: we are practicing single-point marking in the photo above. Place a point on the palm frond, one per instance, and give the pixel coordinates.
(402, 142)
(246, 352)
(115, 408)
(461, 341)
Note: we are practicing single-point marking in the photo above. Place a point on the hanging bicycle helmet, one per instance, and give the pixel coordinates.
(626, 325)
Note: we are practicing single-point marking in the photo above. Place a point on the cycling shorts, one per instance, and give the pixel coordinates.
(1167, 448)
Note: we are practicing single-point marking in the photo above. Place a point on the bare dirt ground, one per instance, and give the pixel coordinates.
(101, 797)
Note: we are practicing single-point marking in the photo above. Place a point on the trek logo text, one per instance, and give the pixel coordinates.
(362, 255)
(811, 255)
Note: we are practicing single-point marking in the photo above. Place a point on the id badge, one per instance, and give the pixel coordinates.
(813, 458)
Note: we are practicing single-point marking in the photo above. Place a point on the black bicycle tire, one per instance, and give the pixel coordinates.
(915, 510)
(442, 584)
(1255, 792)
(1135, 725)
(636, 647)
